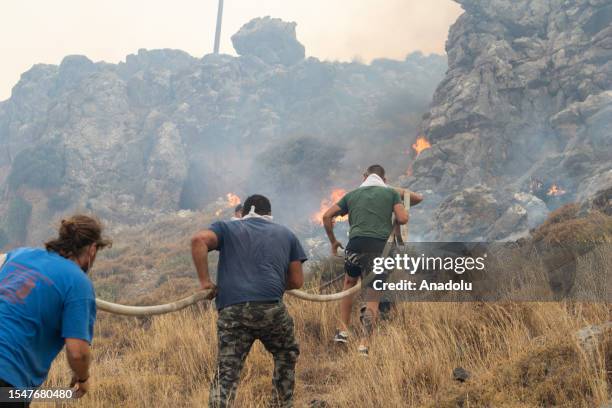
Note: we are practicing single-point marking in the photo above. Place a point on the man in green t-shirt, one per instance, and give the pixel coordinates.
(369, 209)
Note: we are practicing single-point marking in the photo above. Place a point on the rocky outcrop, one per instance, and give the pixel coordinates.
(481, 214)
(165, 131)
(271, 39)
(518, 126)
(525, 106)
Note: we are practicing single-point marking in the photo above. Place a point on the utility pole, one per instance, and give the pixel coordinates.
(218, 30)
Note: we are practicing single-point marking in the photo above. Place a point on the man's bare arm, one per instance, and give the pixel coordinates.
(78, 354)
(295, 275)
(201, 243)
(328, 223)
(79, 359)
(401, 215)
(415, 198)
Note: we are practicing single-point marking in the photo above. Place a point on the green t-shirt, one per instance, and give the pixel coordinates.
(370, 210)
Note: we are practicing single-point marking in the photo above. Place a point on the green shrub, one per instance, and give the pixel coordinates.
(4, 239)
(58, 202)
(107, 291)
(312, 159)
(39, 167)
(17, 219)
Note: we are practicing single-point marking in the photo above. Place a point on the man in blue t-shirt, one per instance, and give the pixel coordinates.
(258, 261)
(46, 301)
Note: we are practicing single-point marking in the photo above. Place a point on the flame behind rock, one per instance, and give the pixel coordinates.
(333, 198)
(555, 191)
(232, 200)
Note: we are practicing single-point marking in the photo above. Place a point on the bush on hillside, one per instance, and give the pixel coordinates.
(58, 202)
(38, 167)
(17, 220)
(298, 165)
(565, 226)
(4, 239)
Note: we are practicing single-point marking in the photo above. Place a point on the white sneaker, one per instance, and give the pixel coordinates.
(341, 337)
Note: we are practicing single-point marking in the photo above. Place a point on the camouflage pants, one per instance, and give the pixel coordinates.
(238, 327)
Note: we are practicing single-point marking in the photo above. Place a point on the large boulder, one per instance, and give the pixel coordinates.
(271, 39)
(481, 213)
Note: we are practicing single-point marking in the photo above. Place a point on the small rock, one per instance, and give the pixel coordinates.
(460, 374)
(315, 403)
(590, 336)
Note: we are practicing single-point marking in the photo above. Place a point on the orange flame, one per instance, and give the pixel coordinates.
(334, 197)
(232, 200)
(555, 191)
(420, 145)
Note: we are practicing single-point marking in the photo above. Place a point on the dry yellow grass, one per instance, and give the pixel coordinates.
(520, 355)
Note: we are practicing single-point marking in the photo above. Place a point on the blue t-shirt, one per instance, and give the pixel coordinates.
(254, 259)
(44, 298)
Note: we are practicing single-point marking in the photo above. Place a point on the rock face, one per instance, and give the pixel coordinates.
(525, 107)
(519, 125)
(481, 214)
(165, 131)
(271, 39)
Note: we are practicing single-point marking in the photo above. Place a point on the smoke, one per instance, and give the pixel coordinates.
(195, 130)
(321, 140)
(397, 27)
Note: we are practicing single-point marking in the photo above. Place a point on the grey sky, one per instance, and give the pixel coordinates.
(46, 31)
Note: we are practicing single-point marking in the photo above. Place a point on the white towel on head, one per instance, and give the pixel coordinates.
(373, 180)
(253, 214)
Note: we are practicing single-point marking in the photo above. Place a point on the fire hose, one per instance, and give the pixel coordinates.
(126, 310)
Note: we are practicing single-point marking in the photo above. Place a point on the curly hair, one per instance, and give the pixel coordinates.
(77, 233)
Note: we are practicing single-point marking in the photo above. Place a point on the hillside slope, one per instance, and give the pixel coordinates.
(518, 354)
(165, 131)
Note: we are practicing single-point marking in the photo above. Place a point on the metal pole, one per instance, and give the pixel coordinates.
(218, 30)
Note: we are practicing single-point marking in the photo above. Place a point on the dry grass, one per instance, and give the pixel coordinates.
(565, 226)
(518, 354)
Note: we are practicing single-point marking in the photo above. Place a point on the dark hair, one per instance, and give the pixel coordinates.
(75, 234)
(376, 169)
(261, 203)
(238, 208)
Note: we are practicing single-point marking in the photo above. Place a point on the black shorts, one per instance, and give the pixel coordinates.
(360, 254)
